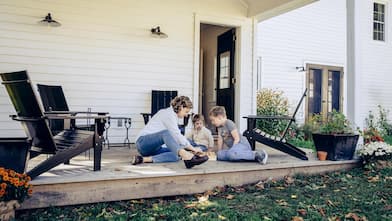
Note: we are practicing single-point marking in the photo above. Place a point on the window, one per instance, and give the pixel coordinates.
(378, 22)
(224, 81)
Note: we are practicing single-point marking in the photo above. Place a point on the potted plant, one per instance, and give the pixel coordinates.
(335, 136)
(14, 189)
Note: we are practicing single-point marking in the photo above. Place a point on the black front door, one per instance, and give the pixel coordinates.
(225, 72)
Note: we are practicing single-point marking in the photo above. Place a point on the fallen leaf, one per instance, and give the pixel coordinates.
(334, 218)
(194, 214)
(281, 202)
(208, 192)
(353, 216)
(349, 176)
(288, 180)
(321, 211)
(230, 197)
(373, 179)
(260, 185)
(203, 198)
(297, 218)
(221, 217)
(302, 212)
(329, 202)
(388, 207)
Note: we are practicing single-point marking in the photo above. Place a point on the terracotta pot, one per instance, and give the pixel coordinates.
(7, 210)
(322, 155)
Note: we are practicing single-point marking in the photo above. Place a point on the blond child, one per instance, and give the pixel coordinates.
(199, 136)
(232, 146)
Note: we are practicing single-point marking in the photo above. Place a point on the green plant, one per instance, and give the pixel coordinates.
(382, 122)
(336, 123)
(13, 185)
(373, 152)
(272, 103)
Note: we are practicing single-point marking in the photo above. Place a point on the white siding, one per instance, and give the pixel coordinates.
(103, 54)
(315, 33)
(373, 62)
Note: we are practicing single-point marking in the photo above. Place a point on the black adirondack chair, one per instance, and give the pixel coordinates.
(253, 134)
(53, 100)
(159, 100)
(63, 146)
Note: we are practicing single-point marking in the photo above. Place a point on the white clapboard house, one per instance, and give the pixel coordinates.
(340, 50)
(106, 58)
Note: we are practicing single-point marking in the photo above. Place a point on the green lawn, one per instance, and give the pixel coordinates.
(354, 195)
(388, 139)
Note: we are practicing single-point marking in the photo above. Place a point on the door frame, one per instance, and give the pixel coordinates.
(325, 85)
(233, 22)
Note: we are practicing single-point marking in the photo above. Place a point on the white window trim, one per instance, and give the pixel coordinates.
(386, 23)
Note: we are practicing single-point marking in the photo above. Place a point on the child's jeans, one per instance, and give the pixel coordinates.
(151, 145)
(202, 147)
(238, 152)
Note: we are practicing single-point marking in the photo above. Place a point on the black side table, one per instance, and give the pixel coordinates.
(127, 122)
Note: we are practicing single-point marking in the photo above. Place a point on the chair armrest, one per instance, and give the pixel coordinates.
(64, 117)
(74, 112)
(17, 118)
(272, 117)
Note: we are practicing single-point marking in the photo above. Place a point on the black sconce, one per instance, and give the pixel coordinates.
(49, 21)
(156, 32)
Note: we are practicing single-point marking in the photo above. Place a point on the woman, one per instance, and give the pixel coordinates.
(162, 129)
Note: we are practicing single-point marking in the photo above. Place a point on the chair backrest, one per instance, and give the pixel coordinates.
(161, 99)
(53, 99)
(29, 112)
(293, 117)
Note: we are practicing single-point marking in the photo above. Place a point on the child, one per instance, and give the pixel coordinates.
(237, 147)
(200, 136)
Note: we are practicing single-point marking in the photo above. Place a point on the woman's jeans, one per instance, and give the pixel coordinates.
(151, 145)
(238, 152)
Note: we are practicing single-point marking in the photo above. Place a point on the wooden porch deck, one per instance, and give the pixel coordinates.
(118, 180)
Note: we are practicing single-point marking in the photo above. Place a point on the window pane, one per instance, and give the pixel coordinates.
(315, 90)
(224, 81)
(333, 90)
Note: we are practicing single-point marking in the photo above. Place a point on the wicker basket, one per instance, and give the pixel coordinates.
(7, 210)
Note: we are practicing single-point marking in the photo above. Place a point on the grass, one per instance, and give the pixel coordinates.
(359, 194)
(309, 144)
(388, 139)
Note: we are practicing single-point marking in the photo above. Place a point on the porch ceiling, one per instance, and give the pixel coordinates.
(264, 9)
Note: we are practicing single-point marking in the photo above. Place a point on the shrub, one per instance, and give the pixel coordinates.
(373, 152)
(383, 123)
(272, 103)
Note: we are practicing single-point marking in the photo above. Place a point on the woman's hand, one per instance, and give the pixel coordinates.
(195, 150)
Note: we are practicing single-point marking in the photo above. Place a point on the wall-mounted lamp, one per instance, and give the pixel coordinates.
(49, 21)
(300, 69)
(156, 32)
